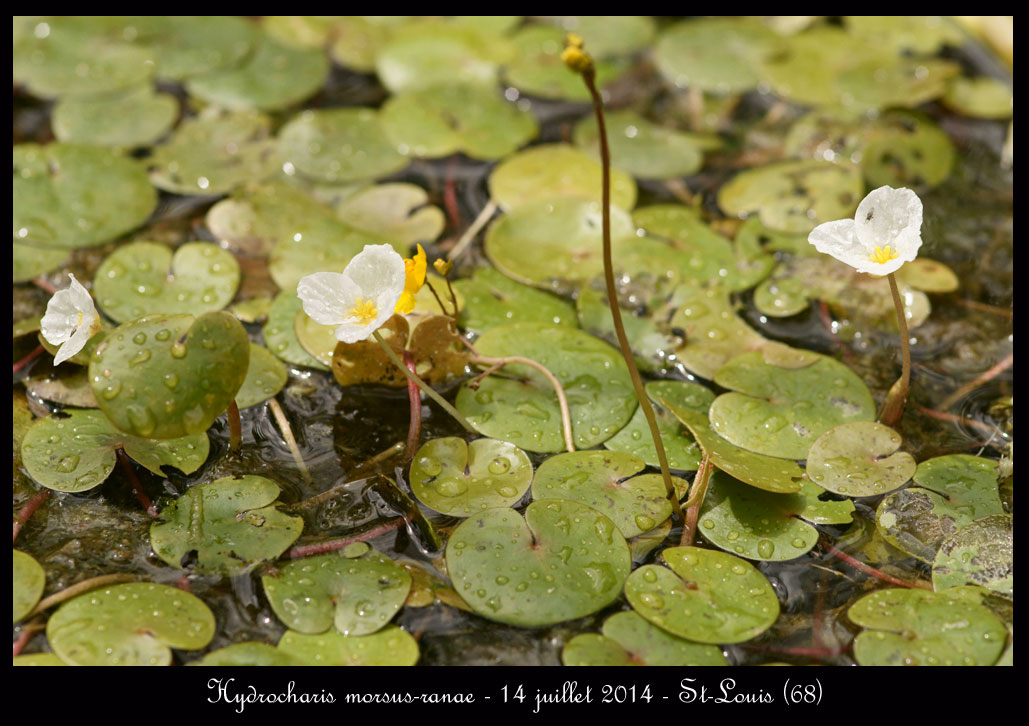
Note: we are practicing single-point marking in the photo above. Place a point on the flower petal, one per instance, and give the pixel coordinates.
(893, 217)
(62, 317)
(379, 273)
(838, 239)
(74, 344)
(328, 296)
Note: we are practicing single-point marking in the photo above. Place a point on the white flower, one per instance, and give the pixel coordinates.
(359, 299)
(885, 233)
(70, 320)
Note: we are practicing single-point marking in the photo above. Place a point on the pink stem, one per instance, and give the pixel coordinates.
(869, 570)
(414, 394)
(137, 488)
(22, 517)
(338, 544)
(28, 359)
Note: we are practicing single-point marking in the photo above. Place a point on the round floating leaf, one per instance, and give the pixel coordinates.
(563, 561)
(29, 261)
(928, 275)
(979, 97)
(77, 452)
(165, 376)
(133, 624)
(391, 646)
(357, 42)
(252, 309)
(144, 277)
(303, 31)
(247, 654)
(715, 54)
(917, 627)
(271, 78)
(794, 196)
(608, 35)
(953, 491)
(819, 510)
(266, 375)
(885, 82)
(399, 213)
(519, 405)
(29, 580)
(279, 333)
(706, 596)
(555, 244)
(537, 68)
(66, 385)
(681, 450)
(228, 525)
(980, 553)
(604, 481)
(353, 595)
(66, 196)
(781, 411)
(57, 59)
(214, 153)
(653, 346)
(628, 639)
(550, 171)
(38, 659)
(188, 45)
(920, 34)
(491, 300)
(641, 148)
(857, 459)
(442, 120)
(137, 117)
(339, 145)
(459, 479)
(763, 472)
(755, 524)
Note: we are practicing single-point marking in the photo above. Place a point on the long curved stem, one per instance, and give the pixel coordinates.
(562, 399)
(893, 406)
(414, 428)
(589, 76)
(416, 379)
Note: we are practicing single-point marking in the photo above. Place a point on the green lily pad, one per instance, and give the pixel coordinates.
(492, 300)
(247, 654)
(356, 42)
(188, 45)
(144, 277)
(794, 196)
(67, 196)
(552, 171)
(556, 244)
(682, 451)
(66, 385)
(928, 275)
(303, 31)
(134, 118)
(823, 511)
(519, 405)
(981, 97)
(228, 525)
(604, 481)
(165, 376)
(607, 35)
(58, 59)
(77, 453)
(214, 153)
(29, 580)
(537, 68)
(252, 310)
(398, 213)
(980, 553)
(457, 478)
(266, 375)
(715, 54)
(352, 595)
(38, 659)
(628, 639)
(763, 472)
(137, 623)
(952, 491)
(917, 627)
(642, 148)
(755, 524)
(890, 82)
(280, 335)
(391, 646)
(859, 459)
(563, 561)
(899, 33)
(703, 595)
(273, 77)
(29, 261)
(780, 411)
(339, 145)
(442, 120)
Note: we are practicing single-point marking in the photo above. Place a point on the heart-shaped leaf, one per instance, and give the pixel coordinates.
(459, 479)
(227, 525)
(391, 646)
(858, 460)
(166, 376)
(398, 213)
(132, 624)
(607, 35)
(982, 97)
(280, 335)
(247, 654)
(190, 45)
(66, 385)
(628, 639)
(979, 553)
(136, 117)
(642, 148)
(563, 561)
(29, 580)
(492, 300)
(719, 55)
(537, 68)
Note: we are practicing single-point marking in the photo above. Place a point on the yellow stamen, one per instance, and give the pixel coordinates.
(78, 323)
(882, 255)
(364, 311)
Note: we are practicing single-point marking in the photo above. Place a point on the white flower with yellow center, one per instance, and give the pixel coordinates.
(359, 299)
(70, 320)
(885, 233)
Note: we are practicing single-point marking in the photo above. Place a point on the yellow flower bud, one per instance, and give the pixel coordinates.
(443, 266)
(574, 57)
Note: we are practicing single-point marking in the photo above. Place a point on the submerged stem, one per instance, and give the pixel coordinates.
(22, 517)
(137, 487)
(414, 428)
(416, 379)
(893, 406)
(287, 434)
(697, 492)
